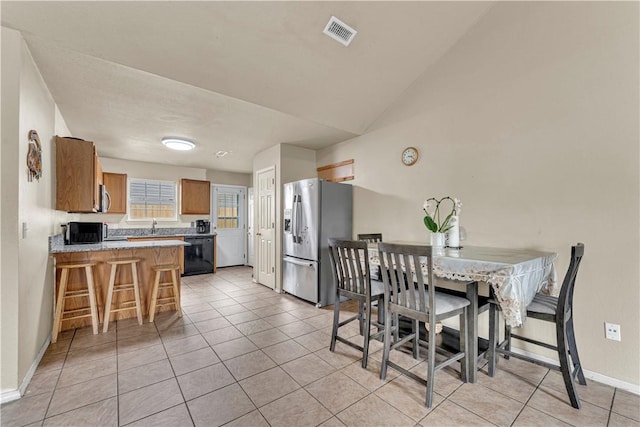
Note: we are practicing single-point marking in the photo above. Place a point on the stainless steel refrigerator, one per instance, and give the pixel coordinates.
(314, 210)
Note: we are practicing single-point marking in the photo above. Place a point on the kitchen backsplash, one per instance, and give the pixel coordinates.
(165, 231)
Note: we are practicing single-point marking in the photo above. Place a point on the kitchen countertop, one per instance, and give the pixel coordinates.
(57, 248)
(118, 239)
(146, 236)
(160, 232)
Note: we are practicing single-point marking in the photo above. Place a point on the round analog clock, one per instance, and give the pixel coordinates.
(409, 156)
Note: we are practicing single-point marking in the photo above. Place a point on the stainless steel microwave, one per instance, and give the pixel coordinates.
(79, 233)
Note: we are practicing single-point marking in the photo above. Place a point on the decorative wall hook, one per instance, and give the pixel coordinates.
(34, 157)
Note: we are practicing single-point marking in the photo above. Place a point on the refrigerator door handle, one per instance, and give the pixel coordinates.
(299, 219)
(297, 262)
(294, 214)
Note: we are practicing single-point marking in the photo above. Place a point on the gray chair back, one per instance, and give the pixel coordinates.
(371, 238)
(350, 265)
(406, 287)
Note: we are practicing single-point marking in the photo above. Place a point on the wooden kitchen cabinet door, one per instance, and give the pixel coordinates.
(116, 185)
(195, 197)
(77, 186)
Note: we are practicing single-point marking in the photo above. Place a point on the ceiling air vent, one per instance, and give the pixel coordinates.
(339, 31)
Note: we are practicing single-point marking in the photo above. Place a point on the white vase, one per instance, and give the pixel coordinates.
(453, 235)
(437, 240)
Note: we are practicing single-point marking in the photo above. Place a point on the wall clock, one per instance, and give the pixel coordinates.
(409, 156)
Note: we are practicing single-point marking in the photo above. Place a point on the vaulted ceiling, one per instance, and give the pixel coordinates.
(233, 76)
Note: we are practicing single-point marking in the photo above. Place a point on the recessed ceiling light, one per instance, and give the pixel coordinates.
(180, 144)
(221, 153)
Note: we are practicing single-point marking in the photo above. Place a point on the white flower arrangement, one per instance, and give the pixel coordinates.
(432, 208)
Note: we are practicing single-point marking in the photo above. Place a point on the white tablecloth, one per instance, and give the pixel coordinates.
(515, 275)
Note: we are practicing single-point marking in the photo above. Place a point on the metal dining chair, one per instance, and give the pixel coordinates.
(410, 293)
(371, 238)
(558, 310)
(350, 265)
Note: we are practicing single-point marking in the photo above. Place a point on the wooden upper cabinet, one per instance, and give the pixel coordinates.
(195, 197)
(78, 176)
(116, 185)
(97, 169)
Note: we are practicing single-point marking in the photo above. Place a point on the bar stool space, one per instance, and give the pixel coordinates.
(64, 294)
(157, 286)
(122, 287)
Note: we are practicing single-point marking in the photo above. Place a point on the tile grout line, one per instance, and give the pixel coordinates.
(73, 336)
(613, 399)
(184, 401)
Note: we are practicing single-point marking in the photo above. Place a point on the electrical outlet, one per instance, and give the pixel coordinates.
(612, 331)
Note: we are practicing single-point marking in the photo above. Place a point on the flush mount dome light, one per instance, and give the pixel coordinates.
(180, 144)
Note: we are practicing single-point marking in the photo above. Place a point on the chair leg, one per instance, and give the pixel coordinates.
(136, 292)
(367, 335)
(361, 317)
(336, 320)
(565, 365)
(176, 292)
(573, 351)
(107, 305)
(380, 311)
(431, 364)
(396, 331)
(415, 328)
(154, 297)
(95, 320)
(387, 345)
(494, 337)
(62, 289)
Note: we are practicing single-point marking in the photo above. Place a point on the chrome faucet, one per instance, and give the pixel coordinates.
(153, 226)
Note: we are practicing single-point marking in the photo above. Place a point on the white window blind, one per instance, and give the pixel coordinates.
(228, 204)
(152, 199)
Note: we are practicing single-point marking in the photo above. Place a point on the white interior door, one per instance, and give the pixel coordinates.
(250, 234)
(229, 222)
(265, 227)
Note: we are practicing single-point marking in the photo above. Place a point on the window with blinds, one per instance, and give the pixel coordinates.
(228, 210)
(152, 199)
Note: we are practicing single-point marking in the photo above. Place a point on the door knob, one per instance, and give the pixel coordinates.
(258, 234)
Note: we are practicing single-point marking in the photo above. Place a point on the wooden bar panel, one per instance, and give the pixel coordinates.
(152, 238)
(337, 172)
(77, 279)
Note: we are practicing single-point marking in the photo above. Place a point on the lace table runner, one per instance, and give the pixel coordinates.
(515, 275)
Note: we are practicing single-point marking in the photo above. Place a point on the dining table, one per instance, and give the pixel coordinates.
(515, 275)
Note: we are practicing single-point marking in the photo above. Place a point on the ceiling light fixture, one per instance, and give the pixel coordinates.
(221, 153)
(180, 144)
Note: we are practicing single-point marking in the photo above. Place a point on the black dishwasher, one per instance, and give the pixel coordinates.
(198, 258)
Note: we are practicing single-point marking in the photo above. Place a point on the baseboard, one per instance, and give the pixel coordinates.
(595, 376)
(8, 396)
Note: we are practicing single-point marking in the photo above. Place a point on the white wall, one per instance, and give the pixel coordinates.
(291, 164)
(135, 169)
(229, 178)
(532, 121)
(27, 272)
(11, 68)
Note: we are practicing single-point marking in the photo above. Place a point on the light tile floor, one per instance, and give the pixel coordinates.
(243, 355)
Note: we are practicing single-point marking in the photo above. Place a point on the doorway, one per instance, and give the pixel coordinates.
(265, 227)
(228, 218)
(250, 234)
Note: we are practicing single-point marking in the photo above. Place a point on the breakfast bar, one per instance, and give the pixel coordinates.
(149, 253)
